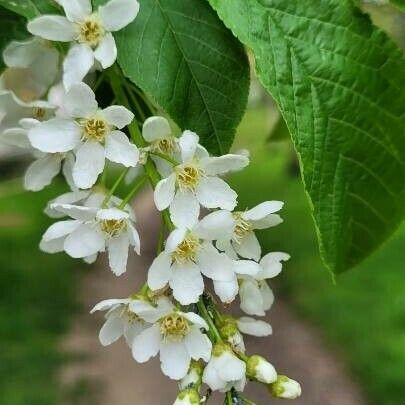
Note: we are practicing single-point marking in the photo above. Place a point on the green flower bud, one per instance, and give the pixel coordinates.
(285, 388)
(261, 370)
(188, 397)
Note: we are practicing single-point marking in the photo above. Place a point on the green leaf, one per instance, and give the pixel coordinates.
(399, 4)
(181, 55)
(30, 8)
(339, 84)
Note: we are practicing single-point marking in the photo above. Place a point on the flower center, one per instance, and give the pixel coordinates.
(187, 250)
(113, 227)
(174, 327)
(91, 31)
(130, 317)
(188, 176)
(95, 129)
(166, 146)
(38, 113)
(242, 227)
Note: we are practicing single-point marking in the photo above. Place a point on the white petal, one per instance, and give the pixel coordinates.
(134, 238)
(117, 248)
(53, 28)
(90, 259)
(21, 54)
(184, 210)
(229, 367)
(267, 295)
(248, 247)
(16, 137)
(159, 272)
(214, 265)
(262, 210)
(175, 359)
(267, 222)
(76, 10)
(77, 63)
(217, 225)
(226, 247)
(174, 239)
(41, 172)
(213, 166)
(212, 378)
(272, 264)
(254, 327)
(227, 290)
(247, 267)
(67, 170)
(117, 14)
(55, 135)
(108, 304)
(52, 246)
(75, 211)
(112, 213)
(155, 128)
(118, 116)
(146, 344)
(195, 319)
(164, 192)
(119, 149)
(111, 331)
(106, 52)
(132, 330)
(67, 198)
(60, 229)
(90, 160)
(80, 101)
(84, 241)
(151, 313)
(198, 345)
(187, 283)
(213, 192)
(188, 143)
(251, 301)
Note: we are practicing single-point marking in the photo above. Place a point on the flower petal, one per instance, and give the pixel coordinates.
(164, 192)
(155, 128)
(267, 222)
(174, 358)
(134, 238)
(118, 116)
(267, 295)
(41, 172)
(262, 210)
(272, 264)
(53, 28)
(111, 331)
(254, 327)
(213, 192)
(195, 319)
(77, 63)
(214, 166)
(84, 241)
(146, 344)
(106, 52)
(16, 137)
(198, 344)
(217, 225)
(227, 290)
(90, 160)
(117, 14)
(184, 209)
(106, 305)
(247, 267)
(251, 301)
(150, 313)
(229, 367)
(159, 272)
(60, 229)
(55, 136)
(117, 248)
(174, 239)
(187, 283)
(76, 10)
(80, 101)
(249, 247)
(212, 378)
(75, 211)
(215, 265)
(188, 143)
(119, 149)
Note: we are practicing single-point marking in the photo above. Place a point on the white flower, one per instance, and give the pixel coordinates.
(256, 297)
(33, 61)
(244, 242)
(188, 396)
(285, 388)
(195, 181)
(91, 231)
(177, 336)
(260, 369)
(224, 370)
(90, 32)
(187, 254)
(90, 132)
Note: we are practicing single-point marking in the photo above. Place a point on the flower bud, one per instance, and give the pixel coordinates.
(193, 376)
(188, 397)
(285, 388)
(229, 330)
(260, 369)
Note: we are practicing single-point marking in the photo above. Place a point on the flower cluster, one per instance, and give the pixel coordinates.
(204, 235)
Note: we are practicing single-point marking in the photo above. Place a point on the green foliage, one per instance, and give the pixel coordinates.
(339, 85)
(399, 3)
(181, 55)
(30, 8)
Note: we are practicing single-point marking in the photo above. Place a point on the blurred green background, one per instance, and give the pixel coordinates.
(361, 313)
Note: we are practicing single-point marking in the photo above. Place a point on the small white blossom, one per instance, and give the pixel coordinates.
(195, 181)
(90, 33)
(224, 370)
(90, 132)
(187, 255)
(285, 388)
(177, 336)
(260, 369)
(91, 231)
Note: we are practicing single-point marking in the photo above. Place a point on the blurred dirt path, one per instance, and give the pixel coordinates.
(295, 348)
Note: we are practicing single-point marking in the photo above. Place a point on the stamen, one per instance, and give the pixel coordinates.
(242, 227)
(188, 176)
(38, 113)
(91, 31)
(166, 146)
(95, 129)
(113, 227)
(187, 250)
(174, 327)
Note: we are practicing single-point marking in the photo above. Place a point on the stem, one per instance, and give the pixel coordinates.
(247, 401)
(161, 240)
(115, 186)
(134, 190)
(213, 331)
(165, 157)
(229, 398)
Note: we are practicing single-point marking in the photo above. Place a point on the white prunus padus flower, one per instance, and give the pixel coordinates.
(188, 254)
(195, 182)
(177, 336)
(285, 388)
(90, 132)
(188, 396)
(256, 297)
(244, 242)
(37, 61)
(90, 32)
(92, 230)
(224, 370)
(259, 368)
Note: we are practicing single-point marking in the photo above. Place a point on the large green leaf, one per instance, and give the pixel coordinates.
(339, 83)
(399, 3)
(30, 8)
(180, 54)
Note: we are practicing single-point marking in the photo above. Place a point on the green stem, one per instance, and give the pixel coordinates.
(165, 157)
(134, 190)
(213, 331)
(247, 401)
(115, 186)
(229, 398)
